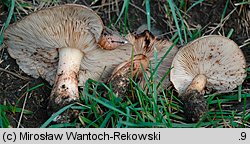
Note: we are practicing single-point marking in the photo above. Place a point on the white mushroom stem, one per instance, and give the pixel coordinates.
(66, 83)
(198, 83)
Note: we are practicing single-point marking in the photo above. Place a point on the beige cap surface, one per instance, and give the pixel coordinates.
(216, 57)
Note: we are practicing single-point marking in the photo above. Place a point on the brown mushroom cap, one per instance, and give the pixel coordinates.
(216, 57)
(138, 61)
(146, 43)
(110, 40)
(121, 84)
(35, 41)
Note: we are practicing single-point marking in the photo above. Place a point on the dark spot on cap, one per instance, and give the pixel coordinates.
(63, 86)
(218, 62)
(209, 57)
(60, 73)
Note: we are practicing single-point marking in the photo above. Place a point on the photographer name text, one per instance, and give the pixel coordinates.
(89, 136)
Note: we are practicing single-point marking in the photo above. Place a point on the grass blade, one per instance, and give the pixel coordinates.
(12, 6)
(193, 5)
(107, 118)
(104, 103)
(173, 8)
(224, 11)
(55, 115)
(124, 7)
(148, 14)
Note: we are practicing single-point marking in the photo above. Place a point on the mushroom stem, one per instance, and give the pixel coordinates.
(65, 88)
(194, 103)
(198, 83)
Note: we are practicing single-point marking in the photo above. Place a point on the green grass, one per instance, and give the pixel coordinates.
(8, 108)
(124, 11)
(148, 14)
(152, 108)
(7, 22)
(160, 110)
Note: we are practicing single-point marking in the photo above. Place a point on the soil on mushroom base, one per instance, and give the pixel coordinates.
(13, 88)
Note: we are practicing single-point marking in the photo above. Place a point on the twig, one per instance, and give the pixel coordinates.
(142, 11)
(221, 24)
(23, 86)
(103, 5)
(24, 103)
(16, 75)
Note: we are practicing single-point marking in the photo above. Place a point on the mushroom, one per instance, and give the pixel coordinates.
(128, 69)
(110, 40)
(144, 45)
(210, 62)
(59, 44)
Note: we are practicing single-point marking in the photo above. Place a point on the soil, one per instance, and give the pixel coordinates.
(206, 15)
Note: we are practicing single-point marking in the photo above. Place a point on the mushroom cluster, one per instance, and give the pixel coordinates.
(68, 44)
(144, 45)
(62, 45)
(210, 62)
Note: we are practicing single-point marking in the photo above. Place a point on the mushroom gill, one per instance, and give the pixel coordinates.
(212, 62)
(60, 44)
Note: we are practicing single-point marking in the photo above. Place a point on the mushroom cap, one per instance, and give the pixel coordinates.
(35, 41)
(110, 40)
(119, 79)
(100, 63)
(125, 67)
(146, 43)
(217, 57)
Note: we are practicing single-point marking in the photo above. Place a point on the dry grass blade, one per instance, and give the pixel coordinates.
(14, 74)
(221, 24)
(140, 9)
(24, 103)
